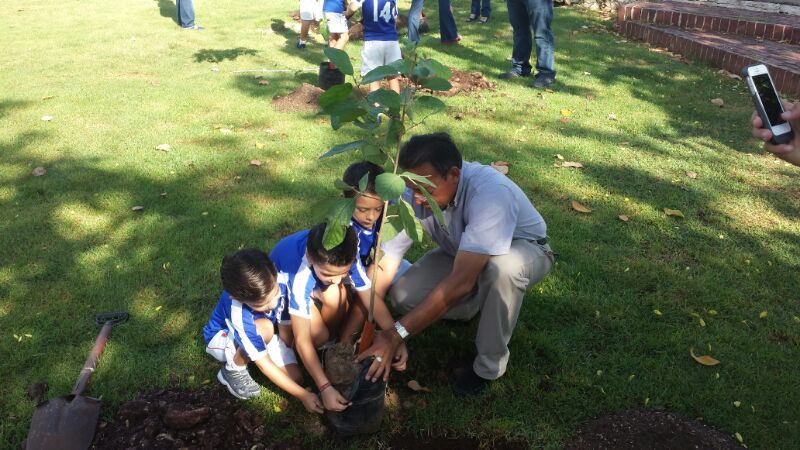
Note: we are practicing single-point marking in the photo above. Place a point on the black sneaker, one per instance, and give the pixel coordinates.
(469, 383)
(542, 82)
(512, 74)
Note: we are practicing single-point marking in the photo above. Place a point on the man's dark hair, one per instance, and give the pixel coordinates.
(438, 149)
(343, 254)
(248, 275)
(356, 171)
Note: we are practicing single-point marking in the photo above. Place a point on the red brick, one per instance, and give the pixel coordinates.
(661, 17)
(724, 24)
(760, 30)
(741, 27)
(768, 30)
(621, 14)
(690, 21)
(636, 12)
(751, 29)
(777, 77)
(777, 35)
(795, 35)
(683, 22)
(726, 61)
(708, 21)
(676, 17)
(715, 24)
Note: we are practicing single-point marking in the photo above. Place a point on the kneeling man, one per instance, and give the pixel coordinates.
(493, 249)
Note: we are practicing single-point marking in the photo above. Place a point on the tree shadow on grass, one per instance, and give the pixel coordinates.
(219, 55)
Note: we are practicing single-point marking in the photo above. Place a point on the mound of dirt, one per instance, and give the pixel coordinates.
(304, 98)
(467, 82)
(656, 430)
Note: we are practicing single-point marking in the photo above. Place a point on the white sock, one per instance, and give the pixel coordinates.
(230, 365)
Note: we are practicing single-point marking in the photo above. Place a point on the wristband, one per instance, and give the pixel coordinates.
(324, 386)
(401, 330)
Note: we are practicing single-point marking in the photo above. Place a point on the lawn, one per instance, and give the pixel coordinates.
(610, 328)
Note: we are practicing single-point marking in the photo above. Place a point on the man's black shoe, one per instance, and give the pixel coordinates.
(512, 74)
(469, 383)
(542, 82)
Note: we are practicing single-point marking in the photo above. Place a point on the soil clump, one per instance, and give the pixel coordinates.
(656, 430)
(304, 99)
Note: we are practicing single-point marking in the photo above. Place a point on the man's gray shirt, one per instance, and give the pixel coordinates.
(487, 212)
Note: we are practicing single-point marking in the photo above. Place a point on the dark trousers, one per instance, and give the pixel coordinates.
(530, 20)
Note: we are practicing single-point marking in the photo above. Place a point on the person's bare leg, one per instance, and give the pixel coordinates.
(319, 330)
(334, 307)
(374, 86)
(293, 370)
(354, 323)
(394, 84)
(240, 359)
(304, 26)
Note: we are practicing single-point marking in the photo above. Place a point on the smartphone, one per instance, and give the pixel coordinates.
(767, 103)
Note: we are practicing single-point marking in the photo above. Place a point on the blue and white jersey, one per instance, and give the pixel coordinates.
(379, 20)
(333, 6)
(236, 317)
(366, 241)
(289, 256)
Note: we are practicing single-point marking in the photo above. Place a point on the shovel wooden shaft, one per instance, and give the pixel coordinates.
(91, 360)
(367, 334)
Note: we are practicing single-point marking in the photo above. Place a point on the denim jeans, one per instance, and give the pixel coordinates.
(531, 19)
(483, 8)
(185, 13)
(447, 23)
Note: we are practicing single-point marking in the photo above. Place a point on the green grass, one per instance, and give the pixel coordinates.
(121, 80)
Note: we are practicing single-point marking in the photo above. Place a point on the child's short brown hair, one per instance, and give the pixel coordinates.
(248, 275)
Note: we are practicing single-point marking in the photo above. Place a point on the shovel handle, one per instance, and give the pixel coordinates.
(91, 360)
(367, 334)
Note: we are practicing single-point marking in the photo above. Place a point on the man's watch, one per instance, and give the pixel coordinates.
(401, 330)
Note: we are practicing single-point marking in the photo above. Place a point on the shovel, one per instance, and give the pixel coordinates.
(69, 422)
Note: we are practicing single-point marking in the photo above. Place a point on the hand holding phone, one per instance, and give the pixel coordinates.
(768, 105)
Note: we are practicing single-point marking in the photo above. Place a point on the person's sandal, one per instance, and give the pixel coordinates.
(483, 19)
(472, 18)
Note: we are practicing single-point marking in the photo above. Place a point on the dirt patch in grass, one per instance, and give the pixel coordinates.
(467, 83)
(657, 430)
(303, 99)
(413, 442)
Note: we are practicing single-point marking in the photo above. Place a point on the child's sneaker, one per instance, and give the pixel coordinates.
(239, 383)
(301, 44)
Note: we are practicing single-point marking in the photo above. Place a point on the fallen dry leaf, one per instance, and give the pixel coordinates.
(566, 112)
(47, 118)
(137, 208)
(163, 147)
(623, 217)
(691, 174)
(580, 208)
(226, 131)
(500, 168)
(163, 195)
(763, 315)
(718, 102)
(39, 171)
(263, 82)
(259, 145)
(564, 119)
(255, 162)
(673, 212)
(704, 360)
(656, 312)
(590, 97)
(48, 97)
(612, 116)
(739, 438)
(570, 165)
(549, 91)
(558, 155)
(416, 387)
(458, 116)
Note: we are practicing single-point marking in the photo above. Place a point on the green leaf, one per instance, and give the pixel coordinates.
(346, 111)
(437, 212)
(395, 133)
(419, 179)
(378, 74)
(340, 59)
(389, 186)
(334, 95)
(430, 104)
(373, 154)
(391, 228)
(388, 98)
(420, 72)
(409, 48)
(334, 235)
(362, 183)
(439, 69)
(437, 84)
(341, 148)
(403, 66)
(342, 186)
(410, 223)
(407, 94)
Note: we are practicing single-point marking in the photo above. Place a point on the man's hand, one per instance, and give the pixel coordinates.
(789, 152)
(333, 400)
(383, 348)
(312, 403)
(400, 358)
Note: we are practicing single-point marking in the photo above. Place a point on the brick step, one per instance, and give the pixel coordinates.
(707, 17)
(726, 51)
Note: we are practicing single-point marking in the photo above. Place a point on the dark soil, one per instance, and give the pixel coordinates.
(304, 99)
(648, 429)
(467, 83)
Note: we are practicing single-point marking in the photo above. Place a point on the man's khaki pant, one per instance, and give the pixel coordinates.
(498, 296)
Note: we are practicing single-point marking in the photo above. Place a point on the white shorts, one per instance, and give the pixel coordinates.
(223, 349)
(337, 22)
(379, 53)
(311, 10)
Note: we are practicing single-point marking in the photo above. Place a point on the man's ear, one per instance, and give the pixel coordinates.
(454, 173)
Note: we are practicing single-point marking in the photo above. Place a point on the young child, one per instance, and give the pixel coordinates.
(247, 324)
(337, 23)
(310, 13)
(380, 38)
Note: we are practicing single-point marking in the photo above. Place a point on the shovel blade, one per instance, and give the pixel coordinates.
(64, 423)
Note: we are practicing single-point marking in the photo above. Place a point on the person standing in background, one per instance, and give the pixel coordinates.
(535, 15)
(185, 9)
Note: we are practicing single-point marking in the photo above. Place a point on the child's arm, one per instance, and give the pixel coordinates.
(305, 347)
(285, 382)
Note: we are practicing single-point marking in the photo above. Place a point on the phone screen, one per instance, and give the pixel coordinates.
(772, 105)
